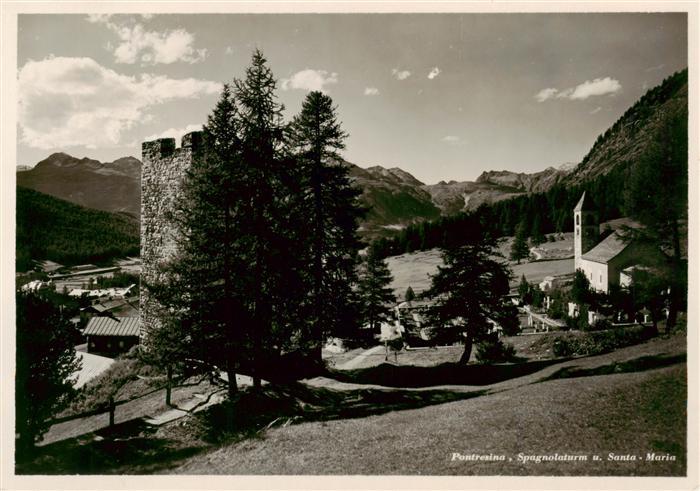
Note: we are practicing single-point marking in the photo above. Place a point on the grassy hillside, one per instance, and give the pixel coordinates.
(631, 135)
(50, 228)
(630, 402)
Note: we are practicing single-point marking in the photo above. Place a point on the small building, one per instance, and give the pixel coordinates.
(603, 262)
(112, 335)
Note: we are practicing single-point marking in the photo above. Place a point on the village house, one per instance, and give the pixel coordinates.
(111, 335)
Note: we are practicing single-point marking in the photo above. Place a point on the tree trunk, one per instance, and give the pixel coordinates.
(318, 253)
(467, 351)
(168, 387)
(232, 384)
(673, 295)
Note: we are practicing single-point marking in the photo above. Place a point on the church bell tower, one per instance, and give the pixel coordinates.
(586, 229)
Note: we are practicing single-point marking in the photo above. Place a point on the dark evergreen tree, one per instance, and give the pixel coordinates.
(266, 236)
(470, 291)
(330, 204)
(657, 196)
(648, 292)
(45, 361)
(581, 289)
(409, 295)
(202, 290)
(536, 235)
(519, 249)
(524, 290)
(376, 296)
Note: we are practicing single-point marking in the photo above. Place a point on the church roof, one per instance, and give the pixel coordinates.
(585, 203)
(607, 249)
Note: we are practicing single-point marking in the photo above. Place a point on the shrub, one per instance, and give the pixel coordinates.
(493, 350)
(598, 342)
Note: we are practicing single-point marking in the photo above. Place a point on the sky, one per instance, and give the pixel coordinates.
(442, 96)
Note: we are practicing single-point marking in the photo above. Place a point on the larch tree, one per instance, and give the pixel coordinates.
(267, 236)
(44, 365)
(330, 204)
(376, 295)
(409, 296)
(469, 292)
(201, 291)
(657, 196)
(519, 249)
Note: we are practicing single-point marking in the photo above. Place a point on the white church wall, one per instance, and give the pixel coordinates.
(596, 273)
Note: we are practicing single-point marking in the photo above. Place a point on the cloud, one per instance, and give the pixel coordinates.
(596, 110)
(176, 133)
(309, 80)
(545, 94)
(599, 86)
(77, 102)
(655, 68)
(228, 50)
(400, 74)
(98, 18)
(589, 88)
(452, 140)
(371, 91)
(434, 73)
(138, 45)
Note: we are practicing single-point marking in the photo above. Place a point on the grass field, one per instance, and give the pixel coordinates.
(636, 408)
(415, 269)
(628, 402)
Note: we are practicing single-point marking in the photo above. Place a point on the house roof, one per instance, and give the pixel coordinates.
(607, 249)
(108, 326)
(585, 204)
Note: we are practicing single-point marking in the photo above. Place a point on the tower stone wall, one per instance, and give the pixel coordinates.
(162, 172)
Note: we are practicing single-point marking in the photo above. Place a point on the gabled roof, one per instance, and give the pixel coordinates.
(585, 204)
(108, 326)
(607, 249)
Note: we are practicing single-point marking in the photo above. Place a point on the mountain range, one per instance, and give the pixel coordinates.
(394, 197)
(112, 186)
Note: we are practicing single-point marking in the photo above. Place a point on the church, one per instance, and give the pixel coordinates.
(604, 262)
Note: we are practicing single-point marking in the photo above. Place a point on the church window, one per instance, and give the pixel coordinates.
(577, 219)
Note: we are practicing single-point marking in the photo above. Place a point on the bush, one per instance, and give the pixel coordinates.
(493, 350)
(598, 342)
(600, 325)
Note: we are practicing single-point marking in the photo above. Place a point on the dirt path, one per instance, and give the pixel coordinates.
(355, 362)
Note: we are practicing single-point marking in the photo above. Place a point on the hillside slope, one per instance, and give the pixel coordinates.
(50, 228)
(393, 198)
(630, 136)
(113, 186)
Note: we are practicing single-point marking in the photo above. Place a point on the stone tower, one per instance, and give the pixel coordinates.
(162, 172)
(585, 228)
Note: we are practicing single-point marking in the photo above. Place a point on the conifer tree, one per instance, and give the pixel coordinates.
(471, 290)
(202, 313)
(330, 204)
(519, 249)
(657, 196)
(44, 365)
(267, 236)
(376, 296)
(410, 295)
(524, 290)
